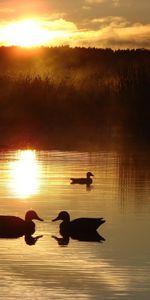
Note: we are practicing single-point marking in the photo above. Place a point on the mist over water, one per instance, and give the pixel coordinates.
(64, 98)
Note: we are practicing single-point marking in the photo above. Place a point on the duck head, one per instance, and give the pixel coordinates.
(63, 215)
(89, 174)
(32, 215)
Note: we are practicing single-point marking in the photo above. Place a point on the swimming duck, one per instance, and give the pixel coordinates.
(13, 227)
(88, 180)
(80, 225)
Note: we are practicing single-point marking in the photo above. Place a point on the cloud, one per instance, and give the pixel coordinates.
(113, 21)
(60, 25)
(114, 2)
(117, 34)
(86, 7)
(113, 32)
(6, 10)
(23, 8)
(110, 32)
(95, 1)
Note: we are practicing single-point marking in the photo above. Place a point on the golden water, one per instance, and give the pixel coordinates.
(117, 268)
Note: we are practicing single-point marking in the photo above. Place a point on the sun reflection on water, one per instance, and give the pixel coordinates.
(24, 173)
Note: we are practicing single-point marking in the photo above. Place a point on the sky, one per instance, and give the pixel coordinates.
(116, 24)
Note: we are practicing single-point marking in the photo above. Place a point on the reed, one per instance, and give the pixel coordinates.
(49, 92)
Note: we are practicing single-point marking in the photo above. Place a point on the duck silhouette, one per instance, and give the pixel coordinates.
(31, 240)
(80, 226)
(14, 227)
(87, 180)
(82, 237)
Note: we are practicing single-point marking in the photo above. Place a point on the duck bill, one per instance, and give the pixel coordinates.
(38, 218)
(56, 219)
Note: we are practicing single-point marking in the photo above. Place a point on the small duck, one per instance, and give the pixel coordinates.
(80, 225)
(88, 180)
(13, 227)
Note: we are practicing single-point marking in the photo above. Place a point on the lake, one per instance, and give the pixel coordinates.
(118, 267)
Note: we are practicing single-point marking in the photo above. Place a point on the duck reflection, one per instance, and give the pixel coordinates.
(82, 237)
(31, 240)
(89, 187)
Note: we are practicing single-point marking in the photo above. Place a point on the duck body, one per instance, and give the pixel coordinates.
(81, 225)
(13, 227)
(78, 226)
(87, 180)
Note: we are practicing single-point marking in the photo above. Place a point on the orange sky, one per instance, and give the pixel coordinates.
(94, 23)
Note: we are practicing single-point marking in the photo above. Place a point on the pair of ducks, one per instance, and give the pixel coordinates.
(13, 227)
(81, 228)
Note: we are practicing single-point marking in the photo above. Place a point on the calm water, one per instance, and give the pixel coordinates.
(117, 268)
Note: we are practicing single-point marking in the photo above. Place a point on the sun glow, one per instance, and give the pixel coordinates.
(24, 174)
(26, 33)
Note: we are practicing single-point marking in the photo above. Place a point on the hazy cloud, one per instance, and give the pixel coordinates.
(114, 32)
(6, 10)
(95, 23)
(111, 21)
(114, 2)
(86, 7)
(61, 25)
(117, 35)
(95, 1)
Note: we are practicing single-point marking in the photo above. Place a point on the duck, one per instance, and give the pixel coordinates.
(87, 180)
(82, 226)
(14, 227)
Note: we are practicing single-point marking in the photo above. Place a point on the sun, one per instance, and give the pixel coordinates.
(26, 33)
(24, 174)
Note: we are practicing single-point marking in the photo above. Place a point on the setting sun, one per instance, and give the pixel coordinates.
(24, 172)
(26, 33)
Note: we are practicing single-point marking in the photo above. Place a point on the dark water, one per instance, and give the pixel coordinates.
(117, 268)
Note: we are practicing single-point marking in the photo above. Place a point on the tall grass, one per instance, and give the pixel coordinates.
(51, 96)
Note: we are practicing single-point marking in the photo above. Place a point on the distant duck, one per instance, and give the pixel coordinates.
(13, 227)
(88, 180)
(77, 226)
